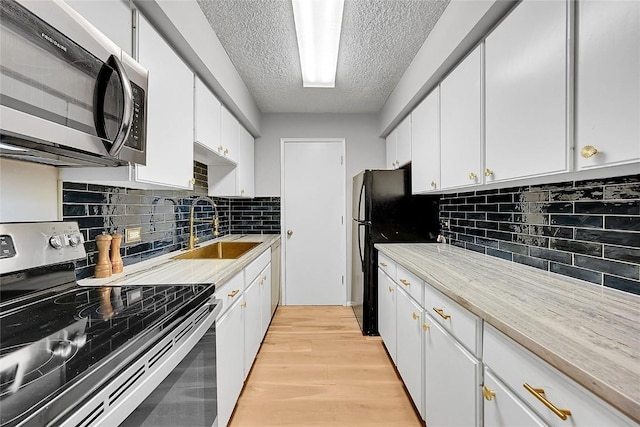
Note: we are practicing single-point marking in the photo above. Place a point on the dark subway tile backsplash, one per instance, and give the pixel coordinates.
(162, 215)
(586, 229)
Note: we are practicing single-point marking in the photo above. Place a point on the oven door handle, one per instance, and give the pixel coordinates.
(215, 306)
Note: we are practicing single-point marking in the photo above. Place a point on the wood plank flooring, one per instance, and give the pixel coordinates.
(316, 369)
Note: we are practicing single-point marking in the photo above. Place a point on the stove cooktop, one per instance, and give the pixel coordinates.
(53, 342)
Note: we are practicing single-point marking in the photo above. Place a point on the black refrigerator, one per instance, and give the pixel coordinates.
(384, 211)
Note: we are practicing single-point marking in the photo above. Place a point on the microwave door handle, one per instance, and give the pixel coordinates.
(114, 64)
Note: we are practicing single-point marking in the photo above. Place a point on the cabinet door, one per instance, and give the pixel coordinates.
(452, 380)
(265, 300)
(170, 112)
(112, 18)
(425, 144)
(409, 346)
(229, 350)
(403, 145)
(252, 325)
(208, 116)
(526, 92)
(608, 82)
(245, 164)
(392, 143)
(460, 123)
(230, 133)
(502, 408)
(387, 312)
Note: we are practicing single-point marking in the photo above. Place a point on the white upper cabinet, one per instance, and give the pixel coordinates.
(526, 92)
(607, 83)
(403, 147)
(170, 112)
(111, 17)
(425, 144)
(207, 124)
(245, 164)
(392, 144)
(230, 132)
(461, 123)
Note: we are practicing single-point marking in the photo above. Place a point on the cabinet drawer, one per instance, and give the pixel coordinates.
(518, 367)
(410, 283)
(230, 292)
(252, 270)
(387, 265)
(502, 408)
(465, 326)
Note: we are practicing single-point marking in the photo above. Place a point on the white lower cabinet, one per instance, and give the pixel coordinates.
(387, 312)
(265, 300)
(252, 325)
(557, 399)
(409, 346)
(502, 408)
(240, 329)
(229, 350)
(452, 380)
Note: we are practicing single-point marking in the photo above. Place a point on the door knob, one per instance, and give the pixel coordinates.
(289, 233)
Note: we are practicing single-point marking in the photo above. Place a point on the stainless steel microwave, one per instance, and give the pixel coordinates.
(68, 95)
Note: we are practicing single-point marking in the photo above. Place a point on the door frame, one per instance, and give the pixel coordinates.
(283, 219)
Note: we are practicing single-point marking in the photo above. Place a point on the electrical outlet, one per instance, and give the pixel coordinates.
(447, 224)
(133, 235)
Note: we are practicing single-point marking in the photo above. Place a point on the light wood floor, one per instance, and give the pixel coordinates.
(316, 369)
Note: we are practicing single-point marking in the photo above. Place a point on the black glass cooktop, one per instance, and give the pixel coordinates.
(51, 342)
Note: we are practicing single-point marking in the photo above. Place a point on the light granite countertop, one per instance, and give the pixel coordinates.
(165, 270)
(591, 333)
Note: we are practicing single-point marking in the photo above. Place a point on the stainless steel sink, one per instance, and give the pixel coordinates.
(219, 250)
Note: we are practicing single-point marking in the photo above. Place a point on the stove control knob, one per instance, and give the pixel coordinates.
(56, 242)
(75, 239)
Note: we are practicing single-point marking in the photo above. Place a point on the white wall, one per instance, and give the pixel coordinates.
(364, 150)
(28, 192)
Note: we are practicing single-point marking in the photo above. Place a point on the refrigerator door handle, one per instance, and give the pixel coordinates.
(361, 222)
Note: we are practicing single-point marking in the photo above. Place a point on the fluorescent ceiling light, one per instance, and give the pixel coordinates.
(318, 24)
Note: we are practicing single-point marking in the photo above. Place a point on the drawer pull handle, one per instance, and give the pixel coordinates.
(425, 327)
(233, 293)
(488, 393)
(390, 289)
(415, 316)
(539, 394)
(383, 265)
(405, 282)
(441, 313)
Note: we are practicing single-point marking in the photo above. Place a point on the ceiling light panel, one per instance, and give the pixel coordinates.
(318, 25)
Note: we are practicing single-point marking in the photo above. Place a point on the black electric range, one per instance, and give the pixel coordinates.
(60, 342)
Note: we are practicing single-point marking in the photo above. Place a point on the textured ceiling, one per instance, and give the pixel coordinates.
(379, 40)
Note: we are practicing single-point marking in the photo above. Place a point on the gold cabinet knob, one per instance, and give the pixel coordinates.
(488, 393)
(192, 181)
(415, 315)
(289, 233)
(473, 176)
(433, 184)
(244, 304)
(226, 151)
(220, 148)
(390, 289)
(425, 327)
(588, 151)
(242, 191)
(488, 172)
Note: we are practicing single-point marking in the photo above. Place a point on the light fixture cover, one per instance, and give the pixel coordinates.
(318, 24)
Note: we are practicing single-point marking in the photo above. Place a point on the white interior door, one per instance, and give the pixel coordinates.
(313, 216)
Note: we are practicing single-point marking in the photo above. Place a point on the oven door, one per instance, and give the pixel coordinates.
(188, 395)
